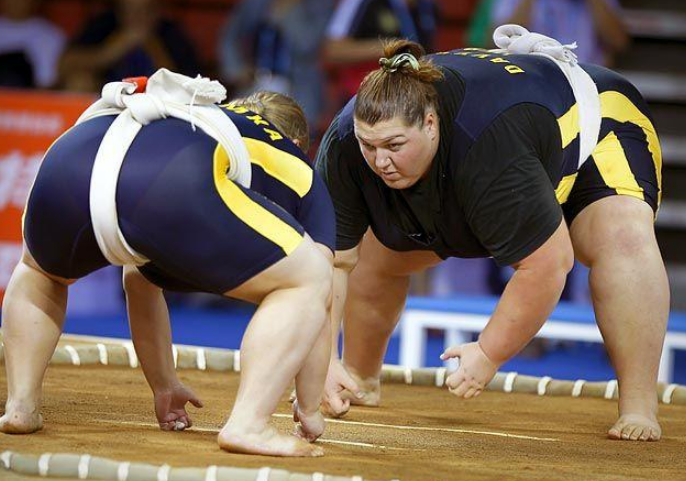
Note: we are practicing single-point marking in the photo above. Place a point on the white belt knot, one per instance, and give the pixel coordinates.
(518, 40)
(168, 94)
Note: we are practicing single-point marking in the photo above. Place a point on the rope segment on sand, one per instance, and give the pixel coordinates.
(214, 359)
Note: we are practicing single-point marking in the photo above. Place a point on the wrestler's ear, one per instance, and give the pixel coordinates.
(431, 123)
(297, 142)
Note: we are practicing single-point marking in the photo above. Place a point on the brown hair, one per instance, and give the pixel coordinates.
(398, 88)
(280, 110)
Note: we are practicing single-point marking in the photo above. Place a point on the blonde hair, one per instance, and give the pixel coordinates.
(280, 110)
(402, 86)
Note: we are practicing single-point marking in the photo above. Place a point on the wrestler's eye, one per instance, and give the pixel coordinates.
(395, 146)
(367, 146)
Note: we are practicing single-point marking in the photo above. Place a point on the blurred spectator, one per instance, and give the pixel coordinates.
(131, 39)
(595, 25)
(274, 45)
(30, 46)
(356, 28)
(480, 32)
(425, 15)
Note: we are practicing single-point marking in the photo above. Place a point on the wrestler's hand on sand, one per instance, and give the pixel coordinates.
(339, 390)
(170, 407)
(308, 426)
(475, 372)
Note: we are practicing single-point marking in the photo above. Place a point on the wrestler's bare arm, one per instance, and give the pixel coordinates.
(151, 336)
(526, 303)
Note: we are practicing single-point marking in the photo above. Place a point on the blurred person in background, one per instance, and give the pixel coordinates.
(426, 16)
(353, 44)
(132, 38)
(480, 31)
(30, 46)
(596, 25)
(274, 45)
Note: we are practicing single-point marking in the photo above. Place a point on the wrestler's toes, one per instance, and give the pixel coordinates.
(636, 432)
(615, 432)
(634, 427)
(655, 435)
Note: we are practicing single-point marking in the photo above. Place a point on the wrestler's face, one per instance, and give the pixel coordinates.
(398, 153)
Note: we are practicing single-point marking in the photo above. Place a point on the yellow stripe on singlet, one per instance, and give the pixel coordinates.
(564, 188)
(617, 106)
(569, 125)
(614, 167)
(284, 167)
(250, 212)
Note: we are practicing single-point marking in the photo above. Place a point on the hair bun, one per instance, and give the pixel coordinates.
(397, 61)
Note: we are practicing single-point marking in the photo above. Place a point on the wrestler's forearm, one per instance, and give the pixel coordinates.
(344, 262)
(525, 305)
(151, 333)
(529, 297)
(340, 288)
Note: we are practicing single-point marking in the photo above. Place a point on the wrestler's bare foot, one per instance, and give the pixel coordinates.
(267, 441)
(18, 422)
(636, 427)
(637, 419)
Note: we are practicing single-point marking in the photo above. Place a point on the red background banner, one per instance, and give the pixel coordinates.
(29, 123)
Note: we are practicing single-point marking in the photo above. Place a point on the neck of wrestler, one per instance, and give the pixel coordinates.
(399, 153)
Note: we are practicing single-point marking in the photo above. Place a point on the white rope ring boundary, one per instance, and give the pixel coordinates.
(578, 387)
(236, 361)
(200, 359)
(163, 473)
(543, 385)
(669, 392)
(508, 385)
(440, 376)
(123, 471)
(211, 473)
(44, 464)
(102, 354)
(263, 474)
(91, 467)
(6, 458)
(131, 351)
(610, 389)
(407, 375)
(73, 355)
(217, 359)
(84, 466)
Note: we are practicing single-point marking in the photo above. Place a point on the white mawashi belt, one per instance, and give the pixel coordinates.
(517, 39)
(167, 95)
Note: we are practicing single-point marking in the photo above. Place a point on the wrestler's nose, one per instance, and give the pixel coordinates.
(382, 160)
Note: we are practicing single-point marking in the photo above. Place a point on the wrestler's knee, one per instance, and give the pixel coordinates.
(318, 278)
